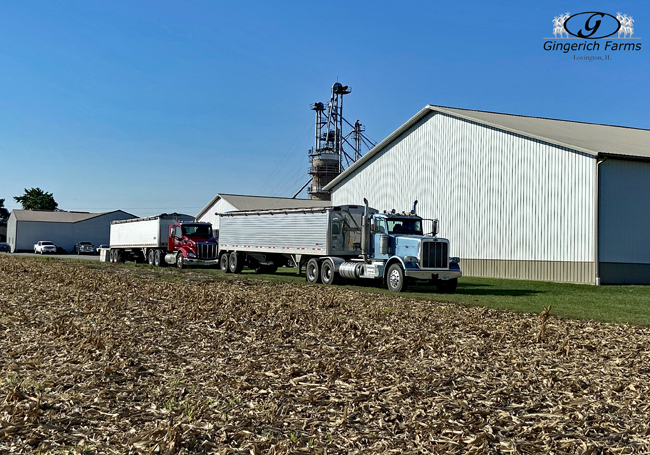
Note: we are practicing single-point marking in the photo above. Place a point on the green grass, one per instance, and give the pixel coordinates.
(616, 304)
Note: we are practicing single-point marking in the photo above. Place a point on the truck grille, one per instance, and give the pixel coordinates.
(206, 251)
(435, 255)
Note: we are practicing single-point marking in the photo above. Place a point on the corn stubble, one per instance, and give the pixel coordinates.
(114, 359)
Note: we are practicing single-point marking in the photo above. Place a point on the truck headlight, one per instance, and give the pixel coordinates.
(191, 255)
(454, 260)
(412, 259)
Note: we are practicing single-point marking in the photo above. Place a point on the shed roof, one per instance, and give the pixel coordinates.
(242, 202)
(58, 217)
(590, 138)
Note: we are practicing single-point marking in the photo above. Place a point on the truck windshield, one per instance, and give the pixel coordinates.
(404, 226)
(197, 229)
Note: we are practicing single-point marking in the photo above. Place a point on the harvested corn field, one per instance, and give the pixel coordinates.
(103, 358)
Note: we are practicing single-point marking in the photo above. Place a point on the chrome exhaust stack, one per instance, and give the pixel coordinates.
(365, 240)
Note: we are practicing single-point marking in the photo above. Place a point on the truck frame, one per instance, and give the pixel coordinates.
(349, 241)
(163, 240)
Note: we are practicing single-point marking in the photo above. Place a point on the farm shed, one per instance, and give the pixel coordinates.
(65, 229)
(518, 197)
(223, 203)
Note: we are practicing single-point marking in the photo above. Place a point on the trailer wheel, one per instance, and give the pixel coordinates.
(223, 263)
(150, 257)
(327, 273)
(118, 256)
(395, 280)
(158, 259)
(236, 262)
(179, 260)
(312, 271)
(111, 255)
(447, 287)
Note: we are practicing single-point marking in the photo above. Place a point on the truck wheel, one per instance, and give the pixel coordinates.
(179, 260)
(236, 262)
(395, 280)
(150, 257)
(447, 287)
(327, 273)
(223, 263)
(312, 271)
(158, 258)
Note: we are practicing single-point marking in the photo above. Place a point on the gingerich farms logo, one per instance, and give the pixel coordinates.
(597, 31)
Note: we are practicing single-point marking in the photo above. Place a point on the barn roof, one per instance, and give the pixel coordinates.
(590, 138)
(58, 217)
(242, 202)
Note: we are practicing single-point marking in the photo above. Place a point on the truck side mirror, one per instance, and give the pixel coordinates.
(372, 228)
(434, 228)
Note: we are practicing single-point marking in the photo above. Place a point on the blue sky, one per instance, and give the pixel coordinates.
(155, 107)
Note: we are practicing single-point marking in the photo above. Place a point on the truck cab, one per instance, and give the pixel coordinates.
(399, 249)
(191, 243)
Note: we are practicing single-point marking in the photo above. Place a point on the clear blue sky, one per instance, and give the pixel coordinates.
(157, 106)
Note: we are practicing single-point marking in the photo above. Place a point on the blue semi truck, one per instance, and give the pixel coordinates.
(340, 242)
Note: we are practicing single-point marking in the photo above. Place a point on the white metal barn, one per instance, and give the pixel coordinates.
(65, 229)
(223, 203)
(518, 197)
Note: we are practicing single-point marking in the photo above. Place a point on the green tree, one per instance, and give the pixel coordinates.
(37, 199)
(4, 213)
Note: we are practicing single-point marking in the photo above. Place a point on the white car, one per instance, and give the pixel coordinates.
(44, 246)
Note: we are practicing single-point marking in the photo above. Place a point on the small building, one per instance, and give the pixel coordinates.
(223, 203)
(518, 197)
(65, 229)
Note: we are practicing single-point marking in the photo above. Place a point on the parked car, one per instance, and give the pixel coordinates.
(44, 246)
(5, 247)
(84, 247)
(103, 245)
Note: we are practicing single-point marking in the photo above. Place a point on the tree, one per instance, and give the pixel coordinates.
(37, 199)
(4, 213)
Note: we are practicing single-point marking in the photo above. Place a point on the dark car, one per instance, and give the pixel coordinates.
(5, 247)
(84, 247)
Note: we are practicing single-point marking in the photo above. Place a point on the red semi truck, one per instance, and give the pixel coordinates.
(165, 239)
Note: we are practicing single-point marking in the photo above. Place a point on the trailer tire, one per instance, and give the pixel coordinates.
(312, 271)
(224, 265)
(150, 257)
(158, 258)
(447, 287)
(179, 260)
(111, 256)
(118, 256)
(327, 273)
(236, 262)
(395, 279)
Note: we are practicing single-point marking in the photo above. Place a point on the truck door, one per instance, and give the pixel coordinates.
(177, 238)
(380, 229)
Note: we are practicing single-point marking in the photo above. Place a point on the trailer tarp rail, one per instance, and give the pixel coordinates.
(279, 211)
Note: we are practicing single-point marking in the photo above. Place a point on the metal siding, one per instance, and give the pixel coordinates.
(624, 212)
(146, 233)
(497, 195)
(221, 206)
(295, 233)
(66, 235)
